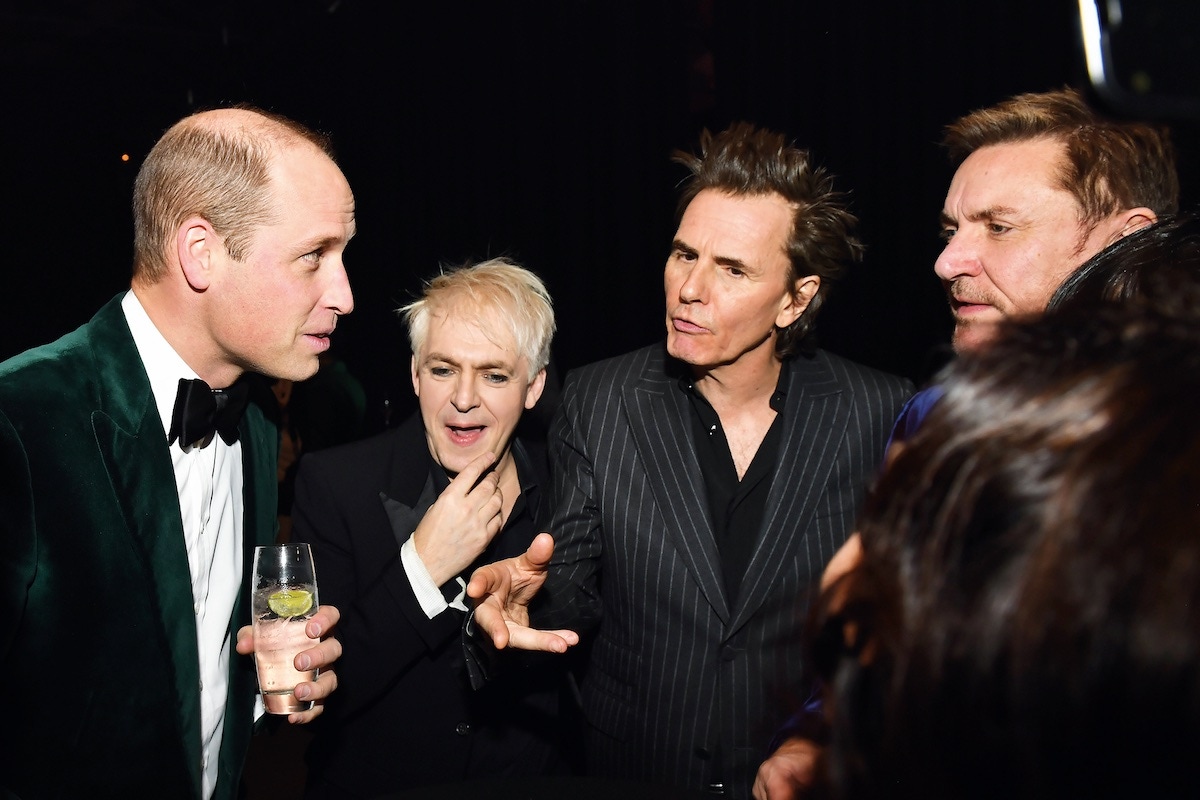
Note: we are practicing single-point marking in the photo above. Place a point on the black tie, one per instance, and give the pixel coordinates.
(201, 411)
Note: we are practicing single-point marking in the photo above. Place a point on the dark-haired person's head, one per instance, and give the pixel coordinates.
(1024, 620)
(1158, 266)
(1042, 183)
(762, 238)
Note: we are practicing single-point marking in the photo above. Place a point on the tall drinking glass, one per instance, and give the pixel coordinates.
(283, 599)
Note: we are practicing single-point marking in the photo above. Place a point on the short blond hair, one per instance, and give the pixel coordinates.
(516, 295)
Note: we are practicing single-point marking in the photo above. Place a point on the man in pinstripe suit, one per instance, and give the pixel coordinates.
(701, 486)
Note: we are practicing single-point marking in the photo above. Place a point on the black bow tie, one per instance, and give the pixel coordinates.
(201, 411)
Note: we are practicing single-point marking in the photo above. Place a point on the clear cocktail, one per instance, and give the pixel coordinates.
(284, 599)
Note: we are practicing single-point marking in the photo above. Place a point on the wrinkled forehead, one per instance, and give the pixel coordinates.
(1042, 160)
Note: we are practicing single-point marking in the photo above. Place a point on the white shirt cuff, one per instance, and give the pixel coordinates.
(432, 601)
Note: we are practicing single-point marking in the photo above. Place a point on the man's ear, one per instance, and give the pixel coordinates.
(534, 391)
(1134, 220)
(803, 293)
(196, 248)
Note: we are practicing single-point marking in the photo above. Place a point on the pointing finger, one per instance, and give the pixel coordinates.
(466, 480)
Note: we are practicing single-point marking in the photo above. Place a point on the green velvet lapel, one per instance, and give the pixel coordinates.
(260, 453)
(131, 441)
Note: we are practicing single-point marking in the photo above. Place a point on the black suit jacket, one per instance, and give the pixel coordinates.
(683, 686)
(404, 714)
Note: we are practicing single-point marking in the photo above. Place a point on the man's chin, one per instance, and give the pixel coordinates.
(455, 460)
(678, 348)
(293, 369)
(970, 336)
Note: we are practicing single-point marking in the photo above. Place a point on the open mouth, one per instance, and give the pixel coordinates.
(465, 434)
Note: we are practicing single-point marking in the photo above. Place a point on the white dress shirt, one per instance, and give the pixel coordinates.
(209, 480)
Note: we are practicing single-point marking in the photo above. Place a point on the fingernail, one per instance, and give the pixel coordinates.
(304, 661)
(302, 692)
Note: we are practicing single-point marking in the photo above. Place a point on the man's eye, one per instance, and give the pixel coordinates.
(946, 234)
(496, 378)
(997, 228)
(439, 372)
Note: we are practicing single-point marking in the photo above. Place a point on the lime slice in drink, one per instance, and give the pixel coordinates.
(290, 602)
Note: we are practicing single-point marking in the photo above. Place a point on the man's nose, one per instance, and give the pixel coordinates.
(959, 257)
(465, 397)
(694, 286)
(338, 295)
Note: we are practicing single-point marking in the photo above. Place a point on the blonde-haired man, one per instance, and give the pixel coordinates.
(397, 521)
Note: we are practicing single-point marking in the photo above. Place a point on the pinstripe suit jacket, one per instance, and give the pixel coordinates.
(683, 687)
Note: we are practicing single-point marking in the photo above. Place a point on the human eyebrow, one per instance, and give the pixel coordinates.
(487, 366)
(438, 358)
(494, 366)
(310, 246)
(991, 213)
(325, 241)
(733, 263)
(680, 246)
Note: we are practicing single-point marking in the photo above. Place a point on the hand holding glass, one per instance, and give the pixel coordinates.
(283, 599)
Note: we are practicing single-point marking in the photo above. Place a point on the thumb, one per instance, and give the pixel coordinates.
(537, 557)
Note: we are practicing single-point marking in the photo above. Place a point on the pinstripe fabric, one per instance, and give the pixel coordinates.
(682, 687)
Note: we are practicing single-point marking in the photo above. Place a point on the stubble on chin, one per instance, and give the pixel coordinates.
(969, 336)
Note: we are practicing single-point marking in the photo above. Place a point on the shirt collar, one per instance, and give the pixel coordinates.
(687, 384)
(164, 367)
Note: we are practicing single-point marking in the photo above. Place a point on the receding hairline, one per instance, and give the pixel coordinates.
(1059, 168)
(1058, 141)
(277, 132)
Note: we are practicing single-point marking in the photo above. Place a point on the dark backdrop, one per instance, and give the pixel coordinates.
(538, 130)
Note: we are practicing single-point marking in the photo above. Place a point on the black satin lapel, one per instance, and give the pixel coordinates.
(659, 422)
(403, 518)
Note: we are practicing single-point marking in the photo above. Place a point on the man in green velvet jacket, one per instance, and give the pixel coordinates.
(125, 544)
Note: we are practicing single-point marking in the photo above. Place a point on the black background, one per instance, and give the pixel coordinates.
(537, 130)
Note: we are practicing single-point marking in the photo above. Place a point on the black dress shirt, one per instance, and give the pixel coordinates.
(735, 507)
